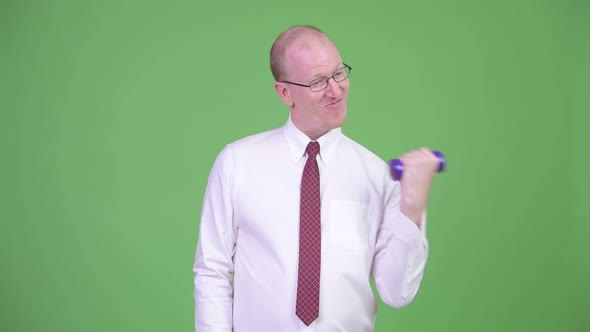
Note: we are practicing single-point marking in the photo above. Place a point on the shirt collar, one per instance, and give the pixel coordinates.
(298, 142)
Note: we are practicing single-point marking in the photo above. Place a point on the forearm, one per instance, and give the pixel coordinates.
(213, 283)
(398, 266)
(213, 268)
(213, 295)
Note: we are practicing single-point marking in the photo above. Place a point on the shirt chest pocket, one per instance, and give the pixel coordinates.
(349, 224)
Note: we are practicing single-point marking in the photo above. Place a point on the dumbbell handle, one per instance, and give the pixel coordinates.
(397, 169)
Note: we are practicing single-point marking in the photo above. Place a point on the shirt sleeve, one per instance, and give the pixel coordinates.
(213, 267)
(400, 254)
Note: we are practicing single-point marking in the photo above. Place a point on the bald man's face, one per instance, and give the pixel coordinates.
(314, 113)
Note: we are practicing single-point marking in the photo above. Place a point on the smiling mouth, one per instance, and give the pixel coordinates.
(336, 102)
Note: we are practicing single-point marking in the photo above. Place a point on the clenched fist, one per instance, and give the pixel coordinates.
(419, 168)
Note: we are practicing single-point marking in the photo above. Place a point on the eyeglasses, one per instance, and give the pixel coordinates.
(321, 83)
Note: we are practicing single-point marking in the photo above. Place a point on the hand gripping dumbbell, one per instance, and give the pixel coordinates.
(397, 169)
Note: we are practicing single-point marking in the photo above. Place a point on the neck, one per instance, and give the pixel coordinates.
(312, 133)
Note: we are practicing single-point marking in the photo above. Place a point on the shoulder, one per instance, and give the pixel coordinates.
(364, 168)
(366, 155)
(269, 136)
(254, 146)
(258, 142)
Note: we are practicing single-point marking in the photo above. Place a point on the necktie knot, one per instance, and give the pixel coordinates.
(313, 148)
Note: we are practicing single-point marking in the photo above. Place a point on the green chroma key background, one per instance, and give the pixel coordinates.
(112, 113)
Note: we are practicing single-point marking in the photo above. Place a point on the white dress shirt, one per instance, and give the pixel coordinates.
(247, 255)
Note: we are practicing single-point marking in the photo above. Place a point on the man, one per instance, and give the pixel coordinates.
(288, 242)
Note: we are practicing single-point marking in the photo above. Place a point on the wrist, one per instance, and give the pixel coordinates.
(412, 210)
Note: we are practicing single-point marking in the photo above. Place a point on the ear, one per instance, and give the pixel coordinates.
(284, 93)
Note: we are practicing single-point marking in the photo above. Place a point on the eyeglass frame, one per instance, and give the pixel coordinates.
(327, 79)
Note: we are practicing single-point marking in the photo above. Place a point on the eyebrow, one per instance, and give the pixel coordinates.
(315, 77)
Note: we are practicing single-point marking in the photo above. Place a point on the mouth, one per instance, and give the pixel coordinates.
(334, 104)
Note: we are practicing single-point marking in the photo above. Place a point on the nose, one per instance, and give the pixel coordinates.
(334, 89)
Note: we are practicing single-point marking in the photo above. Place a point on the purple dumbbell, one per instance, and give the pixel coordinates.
(397, 169)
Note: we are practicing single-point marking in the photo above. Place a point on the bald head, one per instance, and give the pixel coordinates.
(290, 38)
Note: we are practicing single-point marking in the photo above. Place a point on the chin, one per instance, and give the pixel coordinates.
(342, 115)
(340, 120)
